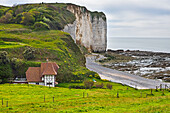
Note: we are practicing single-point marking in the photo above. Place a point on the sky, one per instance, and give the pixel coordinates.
(125, 18)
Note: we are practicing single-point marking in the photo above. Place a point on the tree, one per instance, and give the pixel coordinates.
(5, 72)
(6, 18)
(109, 86)
(88, 84)
(19, 10)
(41, 26)
(3, 57)
(5, 67)
(28, 18)
(29, 53)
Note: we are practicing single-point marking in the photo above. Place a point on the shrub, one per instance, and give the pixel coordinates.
(3, 57)
(5, 72)
(97, 76)
(99, 85)
(88, 84)
(90, 76)
(29, 53)
(18, 19)
(28, 18)
(6, 18)
(109, 86)
(41, 26)
(76, 87)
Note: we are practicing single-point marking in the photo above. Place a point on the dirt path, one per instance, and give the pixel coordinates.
(122, 77)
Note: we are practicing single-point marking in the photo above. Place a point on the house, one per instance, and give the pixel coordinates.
(44, 75)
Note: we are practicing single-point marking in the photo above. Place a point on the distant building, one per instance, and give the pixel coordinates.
(44, 75)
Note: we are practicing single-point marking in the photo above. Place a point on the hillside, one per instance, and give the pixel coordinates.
(88, 29)
(55, 45)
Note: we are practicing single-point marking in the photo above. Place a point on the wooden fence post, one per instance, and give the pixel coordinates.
(83, 94)
(2, 101)
(160, 87)
(151, 92)
(53, 99)
(7, 104)
(141, 94)
(117, 94)
(44, 98)
(156, 88)
(165, 86)
(163, 93)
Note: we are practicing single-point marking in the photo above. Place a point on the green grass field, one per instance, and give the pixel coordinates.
(30, 98)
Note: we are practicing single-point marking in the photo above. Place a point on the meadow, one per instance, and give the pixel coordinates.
(34, 98)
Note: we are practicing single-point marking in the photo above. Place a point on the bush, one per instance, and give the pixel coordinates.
(41, 26)
(5, 72)
(76, 87)
(29, 53)
(88, 84)
(90, 76)
(3, 57)
(20, 67)
(109, 86)
(100, 85)
(28, 18)
(97, 76)
(6, 18)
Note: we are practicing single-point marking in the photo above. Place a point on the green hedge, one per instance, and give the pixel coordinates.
(5, 72)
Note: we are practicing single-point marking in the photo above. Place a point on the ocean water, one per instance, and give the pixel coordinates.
(144, 44)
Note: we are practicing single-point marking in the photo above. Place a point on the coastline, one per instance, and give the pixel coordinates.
(147, 64)
(122, 77)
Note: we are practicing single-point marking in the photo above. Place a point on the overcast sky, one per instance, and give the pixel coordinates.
(126, 18)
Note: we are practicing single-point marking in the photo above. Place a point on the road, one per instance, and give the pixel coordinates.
(122, 77)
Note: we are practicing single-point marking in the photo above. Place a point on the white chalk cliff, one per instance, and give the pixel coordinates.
(89, 29)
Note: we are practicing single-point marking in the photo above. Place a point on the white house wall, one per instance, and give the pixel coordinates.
(49, 79)
(34, 83)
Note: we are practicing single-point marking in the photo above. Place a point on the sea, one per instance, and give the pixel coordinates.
(139, 43)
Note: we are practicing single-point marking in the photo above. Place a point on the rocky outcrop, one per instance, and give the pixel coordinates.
(89, 29)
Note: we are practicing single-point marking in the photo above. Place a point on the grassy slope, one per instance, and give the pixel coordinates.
(55, 15)
(24, 98)
(56, 45)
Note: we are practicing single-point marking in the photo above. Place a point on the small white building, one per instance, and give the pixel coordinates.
(44, 75)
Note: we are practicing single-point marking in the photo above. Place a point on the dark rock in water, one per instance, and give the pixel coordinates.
(120, 50)
(128, 50)
(167, 79)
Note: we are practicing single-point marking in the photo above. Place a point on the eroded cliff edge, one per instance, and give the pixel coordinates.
(89, 29)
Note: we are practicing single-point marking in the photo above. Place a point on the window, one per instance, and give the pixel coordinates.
(49, 83)
(37, 83)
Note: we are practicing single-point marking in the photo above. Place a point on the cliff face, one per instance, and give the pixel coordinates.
(89, 29)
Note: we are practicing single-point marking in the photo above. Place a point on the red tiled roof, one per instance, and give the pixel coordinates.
(49, 69)
(33, 74)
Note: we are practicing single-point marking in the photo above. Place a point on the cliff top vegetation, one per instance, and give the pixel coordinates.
(47, 16)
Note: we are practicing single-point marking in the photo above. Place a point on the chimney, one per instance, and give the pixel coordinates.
(47, 60)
